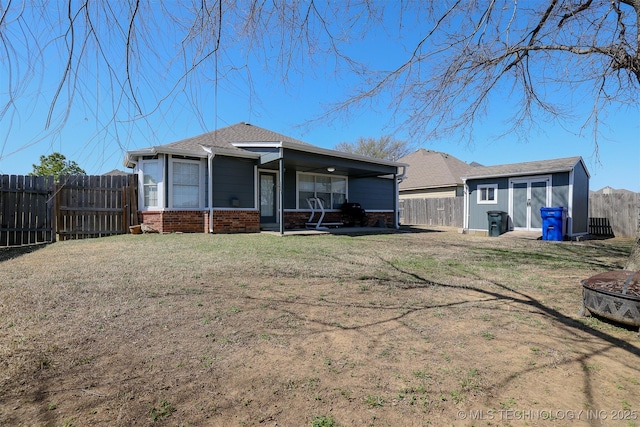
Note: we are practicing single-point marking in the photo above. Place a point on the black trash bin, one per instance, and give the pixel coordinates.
(497, 223)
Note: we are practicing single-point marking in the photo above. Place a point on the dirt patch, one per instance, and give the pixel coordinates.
(406, 329)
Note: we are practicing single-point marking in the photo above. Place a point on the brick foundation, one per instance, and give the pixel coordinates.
(224, 221)
(386, 217)
(297, 220)
(236, 221)
(176, 221)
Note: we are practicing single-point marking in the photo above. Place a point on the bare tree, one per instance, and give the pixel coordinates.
(459, 57)
(465, 54)
(385, 147)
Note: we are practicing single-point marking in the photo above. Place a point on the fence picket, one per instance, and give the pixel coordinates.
(33, 209)
(619, 212)
(433, 211)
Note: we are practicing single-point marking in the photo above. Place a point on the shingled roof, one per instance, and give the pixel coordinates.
(238, 133)
(432, 169)
(526, 168)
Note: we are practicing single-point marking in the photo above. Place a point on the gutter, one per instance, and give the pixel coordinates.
(317, 150)
(399, 178)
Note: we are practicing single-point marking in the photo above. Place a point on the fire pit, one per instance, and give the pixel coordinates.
(614, 295)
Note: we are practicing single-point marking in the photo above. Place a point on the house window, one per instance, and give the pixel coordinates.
(185, 184)
(488, 194)
(331, 189)
(151, 177)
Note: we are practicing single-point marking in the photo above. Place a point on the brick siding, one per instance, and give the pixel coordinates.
(227, 221)
(297, 220)
(236, 221)
(177, 221)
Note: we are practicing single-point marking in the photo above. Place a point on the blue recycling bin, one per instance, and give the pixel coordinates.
(553, 223)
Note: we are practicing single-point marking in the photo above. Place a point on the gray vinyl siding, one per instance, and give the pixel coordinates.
(580, 200)
(290, 190)
(372, 193)
(478, 212)
(560, 190)
(233, 178)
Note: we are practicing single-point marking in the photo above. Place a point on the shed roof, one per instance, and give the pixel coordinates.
(432, 169)
(526, 168)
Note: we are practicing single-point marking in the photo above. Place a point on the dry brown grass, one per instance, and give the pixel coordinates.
(411, 329)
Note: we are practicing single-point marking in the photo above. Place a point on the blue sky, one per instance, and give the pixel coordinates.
(288, 109)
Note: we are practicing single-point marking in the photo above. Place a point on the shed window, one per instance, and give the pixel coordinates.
(331, 189)
(488, 194)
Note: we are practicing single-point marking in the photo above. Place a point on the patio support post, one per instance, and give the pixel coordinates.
(281, 192)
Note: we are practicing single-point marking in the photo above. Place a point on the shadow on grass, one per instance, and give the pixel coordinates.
(502, 294)
(17, 251)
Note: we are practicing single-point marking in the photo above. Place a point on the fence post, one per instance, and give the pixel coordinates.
(51, 208)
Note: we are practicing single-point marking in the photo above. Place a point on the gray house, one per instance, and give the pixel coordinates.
(243, 178)
(521, 189)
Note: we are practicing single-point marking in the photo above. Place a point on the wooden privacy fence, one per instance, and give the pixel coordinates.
(95, 206)
(609, 214)
(620, 210)
(444, 211)
(26, 210)
(33, 209)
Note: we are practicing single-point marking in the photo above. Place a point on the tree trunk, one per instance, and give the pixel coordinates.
(633, 263)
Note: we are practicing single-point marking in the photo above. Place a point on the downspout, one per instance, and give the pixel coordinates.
(465, 210)
(398, 178)
(210, 157)
(281, 190)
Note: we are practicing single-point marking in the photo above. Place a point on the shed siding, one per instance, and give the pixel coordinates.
(560, 190)
(372, 193)
(478, 212)
(580, 218)
(233, 178)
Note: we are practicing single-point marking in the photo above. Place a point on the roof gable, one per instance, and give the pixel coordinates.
(227, 136)
(431, 169)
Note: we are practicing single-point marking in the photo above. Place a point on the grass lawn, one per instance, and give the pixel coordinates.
(400, 329)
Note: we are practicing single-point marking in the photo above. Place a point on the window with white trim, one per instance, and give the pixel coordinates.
(151, 180)
(487, 194)
(185, 183)
(331, 189)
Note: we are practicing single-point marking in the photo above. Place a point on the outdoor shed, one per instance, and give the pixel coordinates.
(521, 189)
(244, 178)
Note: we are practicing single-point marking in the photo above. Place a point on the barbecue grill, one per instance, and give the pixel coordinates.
(352, 214)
